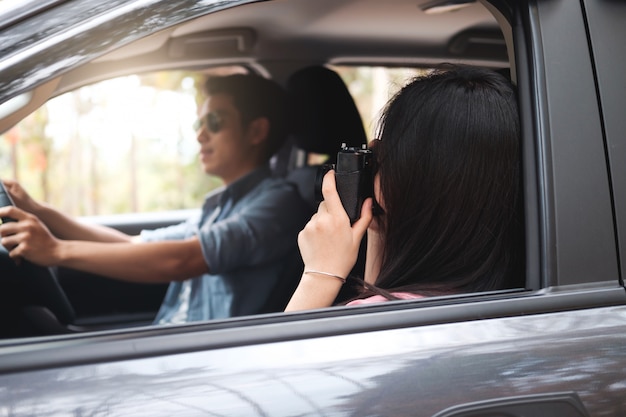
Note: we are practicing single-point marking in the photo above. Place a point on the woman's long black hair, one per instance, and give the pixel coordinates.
(450, 179)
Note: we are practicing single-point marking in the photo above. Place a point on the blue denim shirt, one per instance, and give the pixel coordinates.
(246, 231)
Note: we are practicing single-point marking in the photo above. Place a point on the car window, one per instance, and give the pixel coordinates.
(122, 145)
(126, 145)
(372, 86)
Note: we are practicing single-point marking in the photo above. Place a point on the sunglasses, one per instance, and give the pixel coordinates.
(213, 121)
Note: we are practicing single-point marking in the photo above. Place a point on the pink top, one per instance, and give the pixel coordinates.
(379, 298)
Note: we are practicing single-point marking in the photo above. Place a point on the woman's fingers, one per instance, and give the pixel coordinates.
(333, 205)
(331, 198)
(329, 240)
(360, 226)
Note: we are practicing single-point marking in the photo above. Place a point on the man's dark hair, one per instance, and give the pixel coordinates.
(254, 97)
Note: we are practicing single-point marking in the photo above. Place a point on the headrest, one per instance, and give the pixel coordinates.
(323, 113)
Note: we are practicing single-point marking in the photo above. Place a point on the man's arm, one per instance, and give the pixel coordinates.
(65, 227)
(61, 225)
(151, 262)
(262, 230)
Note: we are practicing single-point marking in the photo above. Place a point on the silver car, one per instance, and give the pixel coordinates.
(76, 345)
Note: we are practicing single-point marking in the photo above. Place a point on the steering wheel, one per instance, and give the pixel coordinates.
(40, 283)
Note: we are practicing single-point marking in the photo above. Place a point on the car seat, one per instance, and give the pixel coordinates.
(323, 115)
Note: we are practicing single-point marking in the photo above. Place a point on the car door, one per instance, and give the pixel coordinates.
(609, 60)
(574, 201)
(552, 348)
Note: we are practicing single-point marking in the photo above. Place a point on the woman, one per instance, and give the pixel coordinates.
(449, 187)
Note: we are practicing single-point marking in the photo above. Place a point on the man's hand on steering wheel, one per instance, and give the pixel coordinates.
(20, 196)
(28, 238)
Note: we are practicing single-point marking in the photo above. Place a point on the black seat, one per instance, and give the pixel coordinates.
(323, 116)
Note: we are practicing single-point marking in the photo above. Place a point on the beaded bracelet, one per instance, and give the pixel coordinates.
(310, 271)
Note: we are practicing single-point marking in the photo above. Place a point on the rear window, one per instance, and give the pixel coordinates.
(372, 87)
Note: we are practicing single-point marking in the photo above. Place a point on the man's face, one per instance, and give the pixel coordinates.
(225, 148)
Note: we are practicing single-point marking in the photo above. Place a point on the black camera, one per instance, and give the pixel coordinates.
(354, 178)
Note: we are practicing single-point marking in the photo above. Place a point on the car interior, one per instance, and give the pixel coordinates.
(304, 45)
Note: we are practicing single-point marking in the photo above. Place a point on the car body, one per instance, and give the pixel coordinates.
(553, 348)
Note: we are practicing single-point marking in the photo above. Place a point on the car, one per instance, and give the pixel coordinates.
(83, 345)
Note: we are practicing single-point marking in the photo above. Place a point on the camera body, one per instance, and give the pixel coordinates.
(354, 178)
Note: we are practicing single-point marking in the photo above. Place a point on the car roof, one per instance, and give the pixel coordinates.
(326, 30)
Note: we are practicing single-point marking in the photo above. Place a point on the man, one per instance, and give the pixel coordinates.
(225, 262)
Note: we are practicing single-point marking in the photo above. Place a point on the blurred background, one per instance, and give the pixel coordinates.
(127, 145)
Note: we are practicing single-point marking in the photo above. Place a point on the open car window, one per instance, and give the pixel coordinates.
(124, 145)
(373, 86)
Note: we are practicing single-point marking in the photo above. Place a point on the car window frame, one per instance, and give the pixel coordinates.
(538, 132)
(79, 40)
(557, 191)
(610, 67)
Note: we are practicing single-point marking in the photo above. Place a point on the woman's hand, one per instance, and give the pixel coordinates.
(20, 197)
(328, 242)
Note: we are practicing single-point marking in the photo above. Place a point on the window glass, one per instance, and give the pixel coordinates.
(372, 87)
(117, 146)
